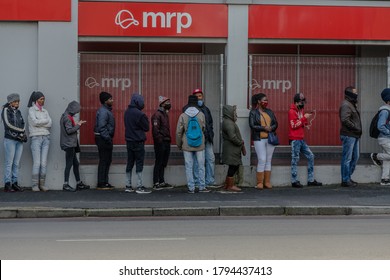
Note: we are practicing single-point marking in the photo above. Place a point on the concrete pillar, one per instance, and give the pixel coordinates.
(237, 70)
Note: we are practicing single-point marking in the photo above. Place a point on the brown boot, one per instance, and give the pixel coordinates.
(260, 179)
(267, 180)
(229, 185)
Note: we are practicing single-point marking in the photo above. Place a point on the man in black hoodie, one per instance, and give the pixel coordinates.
(136, 126)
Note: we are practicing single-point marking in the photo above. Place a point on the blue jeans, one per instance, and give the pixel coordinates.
(189, 160)
(209, 165)
(12, 152)
(297, 147)
(350, 156)
(39, 150)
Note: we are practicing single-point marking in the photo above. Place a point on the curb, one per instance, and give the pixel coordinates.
(31, 212)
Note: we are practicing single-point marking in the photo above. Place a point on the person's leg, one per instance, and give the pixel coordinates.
(36, 144)
(158, 163)
(346, 158)
(69, 154)
(130, 163)
(355, 155)
(189, 167)
(76, 168)
(210, 164)
(310, 161)
(101, 165)
(108, 160)
(295, 150)
(44, 153)
(268, 165)
(16, 161)
(165, 158)
(200, 158)
(139, 162)
(385, 157)
(260, 148)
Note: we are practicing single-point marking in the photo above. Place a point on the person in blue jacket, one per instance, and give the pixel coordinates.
(136, 126)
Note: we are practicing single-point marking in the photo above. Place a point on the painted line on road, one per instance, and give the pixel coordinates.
(122, 239)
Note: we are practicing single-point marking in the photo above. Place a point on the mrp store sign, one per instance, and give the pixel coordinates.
(152, 20)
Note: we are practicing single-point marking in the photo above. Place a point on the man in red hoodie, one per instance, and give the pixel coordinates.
(297, 120)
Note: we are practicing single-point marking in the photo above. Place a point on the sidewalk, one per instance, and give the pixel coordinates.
(366, 199)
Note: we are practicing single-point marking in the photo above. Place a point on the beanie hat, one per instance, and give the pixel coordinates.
(198, 90)
(385, 94)
(104, 96)
(13, 97)
(299, 97)
(35, 95)
(162, 99)
(192, 101)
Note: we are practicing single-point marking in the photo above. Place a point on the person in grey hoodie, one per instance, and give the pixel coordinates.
(190, 152)
(70, 144)
(383, 159)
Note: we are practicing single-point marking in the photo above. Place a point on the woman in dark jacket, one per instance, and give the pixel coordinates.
(69, 143)
(233, 145)
(262, 121)
(14, 136)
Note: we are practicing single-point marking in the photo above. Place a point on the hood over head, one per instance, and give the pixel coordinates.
(137, 101)
(73, 108)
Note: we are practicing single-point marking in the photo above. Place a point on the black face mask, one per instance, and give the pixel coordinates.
(301, 106)
(352, 96)
(167, 106)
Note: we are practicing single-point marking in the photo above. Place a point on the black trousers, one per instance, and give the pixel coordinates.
(161, 152)
(105, 159)
(232, 170)
(71, 160)
(135, 154)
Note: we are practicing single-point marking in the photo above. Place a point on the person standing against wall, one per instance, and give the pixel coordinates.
(209, 139)
(190, 139)
(262, 121)
(69, 143)
(39, 125)
(162, 142)
(14, 137)
(104, 133)
(297, 120)
(350, 132)
(233, 146)
(383, 159)
(136, 126)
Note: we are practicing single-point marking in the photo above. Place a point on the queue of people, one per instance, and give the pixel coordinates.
(194, 136)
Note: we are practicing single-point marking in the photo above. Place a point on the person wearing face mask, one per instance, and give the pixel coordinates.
(262, 120)
(14, 136)
(104, 131)
(297, 120)
(350, 133)
(162, 142)
(39, 125)
(136, 126)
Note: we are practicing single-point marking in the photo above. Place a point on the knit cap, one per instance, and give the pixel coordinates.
(13, 97)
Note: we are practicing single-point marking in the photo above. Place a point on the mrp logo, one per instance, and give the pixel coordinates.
(272, 84)
(121, 83)
(125, 19)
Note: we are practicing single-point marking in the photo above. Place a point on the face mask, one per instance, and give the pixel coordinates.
(200, 103)
(301, 106)
(353, 96)
(264, 104)
(167, 107)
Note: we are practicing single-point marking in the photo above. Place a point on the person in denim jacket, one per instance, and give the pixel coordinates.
(383, 159)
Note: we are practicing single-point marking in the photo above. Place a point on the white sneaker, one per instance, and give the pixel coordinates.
(35, 189)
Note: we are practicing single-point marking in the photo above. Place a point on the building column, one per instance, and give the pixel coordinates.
(237, 70)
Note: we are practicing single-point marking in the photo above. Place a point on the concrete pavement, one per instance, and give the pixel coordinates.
(366, 199)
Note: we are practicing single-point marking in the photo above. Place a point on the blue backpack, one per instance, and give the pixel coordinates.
(194, 133)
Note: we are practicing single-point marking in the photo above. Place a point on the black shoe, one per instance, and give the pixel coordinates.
(67, 188)
(81, 186)
(314, 183)
(8, 187)
(348, 184)
(16, 187)
(129, 189)
(375, 159)
(297, 184)
(162, 186)
(105, 187)
(353, 182)
(385, 182)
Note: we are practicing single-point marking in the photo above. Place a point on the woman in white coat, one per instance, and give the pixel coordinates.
(39, 124)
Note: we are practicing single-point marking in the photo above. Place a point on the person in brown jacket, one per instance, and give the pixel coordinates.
(350, 132)
(162, 142)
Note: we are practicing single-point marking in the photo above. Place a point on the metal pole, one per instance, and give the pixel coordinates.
(250, 77)
(222, 101)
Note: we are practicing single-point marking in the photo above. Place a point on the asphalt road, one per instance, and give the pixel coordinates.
(188, 238)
